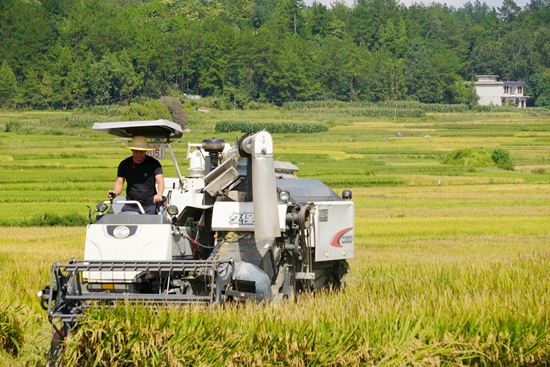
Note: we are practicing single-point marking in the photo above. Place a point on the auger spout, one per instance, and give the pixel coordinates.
(264, 189)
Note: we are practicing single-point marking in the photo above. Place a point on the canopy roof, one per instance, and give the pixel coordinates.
(163, 129)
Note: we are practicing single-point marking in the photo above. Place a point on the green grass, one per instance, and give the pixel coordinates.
(450, 268)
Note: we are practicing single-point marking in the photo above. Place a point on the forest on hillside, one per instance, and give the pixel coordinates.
(67, 53)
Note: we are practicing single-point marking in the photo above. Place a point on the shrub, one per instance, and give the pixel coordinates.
(19, 128)
(53, 220)
(476, 157)
(13, 127)
(176, 110)
(109, 110)
(149, 110)
(502, 159)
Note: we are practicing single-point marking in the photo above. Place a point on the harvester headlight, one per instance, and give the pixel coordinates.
(346, 195)
(121, 232)
(284, 196)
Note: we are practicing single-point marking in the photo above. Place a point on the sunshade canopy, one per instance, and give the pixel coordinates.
(151, 129)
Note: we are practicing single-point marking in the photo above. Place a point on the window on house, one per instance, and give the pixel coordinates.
(520, 89)
(506, 89)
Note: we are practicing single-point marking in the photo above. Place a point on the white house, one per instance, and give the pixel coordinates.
(491, 91)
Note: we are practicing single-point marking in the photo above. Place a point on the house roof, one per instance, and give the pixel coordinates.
(514, 83)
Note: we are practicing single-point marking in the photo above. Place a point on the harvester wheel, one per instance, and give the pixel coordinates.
(340, 270)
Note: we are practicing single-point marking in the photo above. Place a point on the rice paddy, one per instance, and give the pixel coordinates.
(451, 263)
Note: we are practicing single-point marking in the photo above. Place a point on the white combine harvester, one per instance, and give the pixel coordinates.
(240, 226)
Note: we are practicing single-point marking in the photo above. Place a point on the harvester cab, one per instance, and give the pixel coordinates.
(239, 226)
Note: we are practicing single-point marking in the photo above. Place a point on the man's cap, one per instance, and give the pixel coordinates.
(139, 143)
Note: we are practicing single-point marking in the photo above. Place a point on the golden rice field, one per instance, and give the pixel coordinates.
(451, 264)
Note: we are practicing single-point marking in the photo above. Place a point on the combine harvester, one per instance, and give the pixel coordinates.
(239, 227)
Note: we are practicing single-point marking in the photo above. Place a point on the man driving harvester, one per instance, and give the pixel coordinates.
(141, 172)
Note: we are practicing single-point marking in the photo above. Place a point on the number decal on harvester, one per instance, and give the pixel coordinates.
(159, 152)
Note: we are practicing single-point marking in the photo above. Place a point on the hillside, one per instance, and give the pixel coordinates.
(65, 54)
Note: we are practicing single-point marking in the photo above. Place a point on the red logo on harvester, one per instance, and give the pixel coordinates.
(343, 237)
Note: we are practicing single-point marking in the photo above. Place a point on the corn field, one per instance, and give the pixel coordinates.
(272, 127)
(395, 105)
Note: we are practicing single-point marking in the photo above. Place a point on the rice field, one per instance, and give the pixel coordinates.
(451, 264)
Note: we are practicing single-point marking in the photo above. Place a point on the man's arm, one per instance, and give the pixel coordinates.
(160, 188)
(117, 189)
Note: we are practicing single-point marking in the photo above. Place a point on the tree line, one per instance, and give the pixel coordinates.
(66, 53)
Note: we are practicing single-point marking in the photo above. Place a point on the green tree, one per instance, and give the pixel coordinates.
(46, 90)
(341, 66)
(27, 36)
(110, 79)
(97, 27)
(8, 85)
(502, 159)
(30, 90)
(318, 21)
(480, 14)
(384, 78)
(99, 80)
(68, 53)
(541, 83)
(542, 46)
(421, 77)
(488, 58)
(62, 77)
(285, 70)
(212, 56)
(127, 82)
(287, 17)
(516, 45)
(509, 11)
(462, 92)
(393, 38)
(368, 17)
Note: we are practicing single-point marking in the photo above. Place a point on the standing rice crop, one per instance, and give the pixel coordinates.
(389, 315)
(11, 328)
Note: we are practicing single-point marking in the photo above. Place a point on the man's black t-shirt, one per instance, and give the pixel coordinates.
(140, 178)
